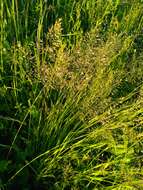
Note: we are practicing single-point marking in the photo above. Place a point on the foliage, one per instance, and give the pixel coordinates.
(71, 95)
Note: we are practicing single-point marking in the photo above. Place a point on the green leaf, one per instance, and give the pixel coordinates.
(4, 165)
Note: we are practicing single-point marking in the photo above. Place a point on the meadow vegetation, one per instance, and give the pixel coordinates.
(71, 95)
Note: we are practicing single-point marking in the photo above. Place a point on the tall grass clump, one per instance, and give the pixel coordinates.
(71, 95)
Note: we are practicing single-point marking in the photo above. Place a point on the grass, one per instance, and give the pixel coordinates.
(71, 95)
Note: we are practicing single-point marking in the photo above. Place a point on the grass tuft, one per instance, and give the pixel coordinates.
(71, 95)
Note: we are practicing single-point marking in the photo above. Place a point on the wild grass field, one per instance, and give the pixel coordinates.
(71, 95)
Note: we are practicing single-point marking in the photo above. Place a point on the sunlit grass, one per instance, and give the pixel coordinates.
(71, 95)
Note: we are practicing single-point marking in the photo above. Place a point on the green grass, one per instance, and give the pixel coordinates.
(71, 95)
